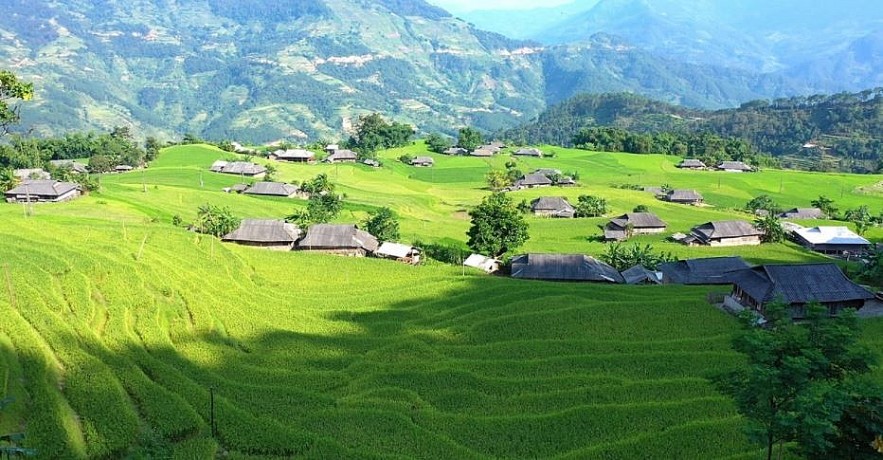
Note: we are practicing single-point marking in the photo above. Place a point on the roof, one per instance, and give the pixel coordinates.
(533, 179)
(831, 235)
(397, 250)
(639, 274)
(71, 164)
(800, 283)
(803, 213)
(691, 163)
(638, 220)
(482, 152)
(271, 189)
(264, 231)
(294, 154)
(238, 167)
(726, 229)
(612, 232)
(684, 195)
(42, 187)
(482, 262)
(123, 168)
(456, 151)
(709, 270)
(563, 267)
(548, 172)
(31, 173)
(343, 236)
(332, 147)
(342, 155)
(422, 160)
(551, 203)
(734, 165)
(533, 152)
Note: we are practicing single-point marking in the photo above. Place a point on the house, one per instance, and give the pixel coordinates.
(641, 275)
(830, 240)
(563, 267)
(734, 166)
(684, 196)
(726, 233)
(548, 172)
(266, 233)
(633, 223)
(43, 190)
(533, 180)
(342, 156)
(74, 166)
(236, 188)
(344, 239)
(371, 162)
(803, 213)
(482, 152)
(293, 155)
(552, 206)
(691, 163)
(481, 262)
(456, 151)
(122, 168)
(565, 181)
(241, 168)
(709, 270)
(331, 148)
(422, 162)
(31, 174)
(398, 251)
(797, 285)
(272, 189)
(529, 152)
(496, 145)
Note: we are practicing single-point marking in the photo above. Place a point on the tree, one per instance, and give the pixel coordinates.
(622, 258)
(497, 179)
(383, 224)
(12, 91)
(215, 220)
(101, 163)
(792, 370)
(8, 180)
(438, 143)
(771, 227)
(324, 208)
(318, 185)
(497, 226)
(762, 202)
(469, 138)
(861, 218)
(590, 206)
(641, 208)
(826, 205)
(373, 133)
(270, 175)
(151, 148)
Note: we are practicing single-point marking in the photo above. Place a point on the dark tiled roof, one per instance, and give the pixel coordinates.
(294, 154)
(422, 160)
(271, 189)
(725, 229)
(801, 283)
(639, 274)
(43, 188)
(238, 167)
(264, 231)
(532, 152)
(734, 165)
(345, 236)
(533, 179)
(563, 267)
(638, 220)
(710, 270)
(803, 213)
(691, 163)
(684, 195)
(340, 155)
(551, 203)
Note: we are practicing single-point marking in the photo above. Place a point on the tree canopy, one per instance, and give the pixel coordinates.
(12, 92)
(497, 226)
(373, 133)
(383, 224)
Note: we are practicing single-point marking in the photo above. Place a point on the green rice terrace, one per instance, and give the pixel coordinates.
(118, 326)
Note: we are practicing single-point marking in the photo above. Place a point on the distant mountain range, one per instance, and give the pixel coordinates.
(262, 70)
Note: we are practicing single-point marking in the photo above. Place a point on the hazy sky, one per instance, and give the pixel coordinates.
(469, 5)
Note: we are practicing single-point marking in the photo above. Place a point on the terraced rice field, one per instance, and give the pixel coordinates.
(117, 327)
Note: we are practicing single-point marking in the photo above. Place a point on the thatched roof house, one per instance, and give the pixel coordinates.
(272, 189)
(691, 163)
(74, 166)
(683, 196)
(529, 152)
(43, 190)
(552, 206)
(241, 168)
(456, 151)
(482, 152)
(342, 156)
(798, 285)
(803, 213)
(830, 240)
(265, 233)
(344, 239)
(293, 155)
(533, 180)
(422, 161)
(633, 223)
(708, 270)
(734, 166)
(564, 267)
(725, 233)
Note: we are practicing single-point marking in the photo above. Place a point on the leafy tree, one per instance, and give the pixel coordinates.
(641, 208)
(590, 206)
(8, 180)
(406, 159)
(622, 258)
(324, 208)
(771, 227)
(497, 226)
(861, 218)
(12, 91)
(270, 175)
(438, 143)
(762, 202)
(792, 370)
(826, 205)
(469, 138)
(318, 185)
(101, 163)
(373, 133)
(497, 180)
(383, 224)
(215, 220)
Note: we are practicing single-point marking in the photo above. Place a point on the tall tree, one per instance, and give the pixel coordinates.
(438, 143)
(826, 205)
(497, 179)
(12, 92)
(469, 138)
(771, 226)
(497, 226)
(215, 220)
(383, 224)
(590, 206)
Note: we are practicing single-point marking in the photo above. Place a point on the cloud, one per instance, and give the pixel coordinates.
(470, 5)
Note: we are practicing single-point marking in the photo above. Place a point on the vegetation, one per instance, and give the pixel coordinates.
(763, 203)
(215, 220)
(825, 204)
(622, 257)
(469, 138)
(12, 92)
(438, 143)
(321, 209)
(498, 227)
(771, 226)
(590, 206)
(383, 224)
(373, 133)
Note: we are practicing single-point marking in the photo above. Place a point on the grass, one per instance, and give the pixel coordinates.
(116, 325)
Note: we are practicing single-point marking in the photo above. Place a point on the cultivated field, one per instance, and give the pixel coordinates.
(117, 326)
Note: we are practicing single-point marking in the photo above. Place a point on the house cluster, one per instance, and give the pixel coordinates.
(487, 150)
(341, 239)
(728, 166)
(543, 177)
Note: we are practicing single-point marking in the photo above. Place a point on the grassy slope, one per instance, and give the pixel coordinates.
(117, 324)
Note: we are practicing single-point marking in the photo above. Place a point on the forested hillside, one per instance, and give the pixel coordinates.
(836, 132)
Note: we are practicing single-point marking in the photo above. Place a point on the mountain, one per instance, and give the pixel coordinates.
(526, 24)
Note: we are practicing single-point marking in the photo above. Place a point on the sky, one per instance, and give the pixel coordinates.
(469, 5)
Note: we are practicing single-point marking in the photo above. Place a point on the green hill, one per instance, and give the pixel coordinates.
(117, 326)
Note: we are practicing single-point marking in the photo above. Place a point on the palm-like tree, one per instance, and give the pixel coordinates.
(771, 227)
(8, 180)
